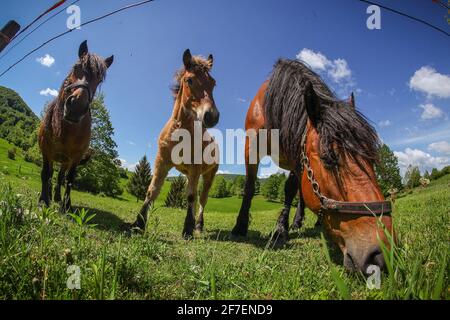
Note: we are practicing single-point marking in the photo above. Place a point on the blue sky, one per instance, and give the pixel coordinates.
(400, 74)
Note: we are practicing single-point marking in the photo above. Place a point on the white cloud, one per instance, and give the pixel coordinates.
(423, 160)
(130, 166)
(440, 146)
(430, 112)
(46, 61)
(315, 60)
(49, 92)
(384, 123)
(268, 168)
(338, 69)
(223, 172)
(131, 143)
(428, 80)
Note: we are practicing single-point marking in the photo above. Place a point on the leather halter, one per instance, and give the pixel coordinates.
(84, 85)
(370, 208)
(80, 84)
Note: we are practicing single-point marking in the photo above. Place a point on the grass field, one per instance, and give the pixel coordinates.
(36, 248)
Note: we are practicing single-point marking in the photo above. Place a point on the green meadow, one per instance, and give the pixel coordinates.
(38, 246)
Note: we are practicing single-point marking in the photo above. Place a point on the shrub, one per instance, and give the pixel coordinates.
(12, 154)
(176, 198)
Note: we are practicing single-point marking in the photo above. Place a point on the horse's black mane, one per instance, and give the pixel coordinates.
(342, 129)
(92, 65)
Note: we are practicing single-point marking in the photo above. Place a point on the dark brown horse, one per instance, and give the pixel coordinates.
(330, 149)
(65, 130)
(194, 106)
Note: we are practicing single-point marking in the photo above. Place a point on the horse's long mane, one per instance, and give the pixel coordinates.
(343, 131)
(199, 63)
(92, 65)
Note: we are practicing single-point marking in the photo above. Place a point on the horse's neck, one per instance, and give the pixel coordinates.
(179, 117)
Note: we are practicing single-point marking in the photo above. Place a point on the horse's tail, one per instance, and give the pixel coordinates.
(86, 157)
(285, 107)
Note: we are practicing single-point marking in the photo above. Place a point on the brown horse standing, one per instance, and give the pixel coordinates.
(65, 131)
(330, 149)
(194, 104)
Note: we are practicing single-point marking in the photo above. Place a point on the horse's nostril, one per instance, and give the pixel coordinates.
(209, 119)
(375, 258)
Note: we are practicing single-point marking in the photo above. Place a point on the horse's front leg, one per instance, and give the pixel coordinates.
(208, 179)
(160, 173)
(46, 180)
(243, 219)
(281, 234)
(189, 222)
(67, 203)
(59, 183)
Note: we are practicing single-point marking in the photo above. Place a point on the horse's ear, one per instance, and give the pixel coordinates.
(312, 102)
(352, 101)
(210, 61)
(83, 50)
(109, 61)
(187, 59)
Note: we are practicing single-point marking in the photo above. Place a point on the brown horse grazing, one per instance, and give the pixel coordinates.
(331, 148)
(194, 104)
(65, 131)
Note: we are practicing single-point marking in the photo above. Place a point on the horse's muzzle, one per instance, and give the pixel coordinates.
(211, 118)
(74, 112)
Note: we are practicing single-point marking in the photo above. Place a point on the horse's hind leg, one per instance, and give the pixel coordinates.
(208, 179)
(299, 214)
(59, 183)
(189, 222)
(160, 174)
(46, 180)
(281, 234)
(67, 203)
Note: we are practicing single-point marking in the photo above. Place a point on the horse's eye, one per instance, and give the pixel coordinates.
(78, 70)
(189, 81)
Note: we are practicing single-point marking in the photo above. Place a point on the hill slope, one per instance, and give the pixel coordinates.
(17, 121)
(36, 252)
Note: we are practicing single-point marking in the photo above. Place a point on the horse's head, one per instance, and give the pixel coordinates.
(195, 89)
(80, 85)
(341, 148)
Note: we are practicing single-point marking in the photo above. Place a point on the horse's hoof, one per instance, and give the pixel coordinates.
(239, 231)
(318, 223)
(199, 228)
(279, 239)
(188, 235)
(43, 203)
(296, 226)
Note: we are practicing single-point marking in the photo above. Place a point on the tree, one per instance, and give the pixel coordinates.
(281, 196)
(387, 170)
(435, 174)
(270, 187)
(176, 198)
(239, 186)
(412, 177)
(257, 186)
(219, 188)
(140, 180)
(101, 174)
